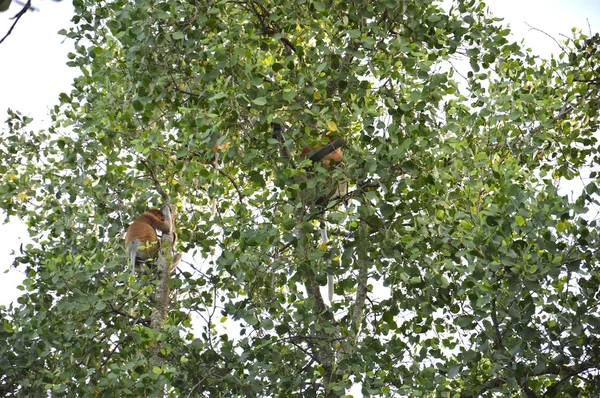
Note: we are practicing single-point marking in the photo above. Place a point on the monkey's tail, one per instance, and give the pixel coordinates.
(330, 287)
(132, 250)
(330, 282)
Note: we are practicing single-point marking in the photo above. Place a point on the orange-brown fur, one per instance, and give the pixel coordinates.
(142, 232)
(335, 156)
(217, 146)
(340, 189)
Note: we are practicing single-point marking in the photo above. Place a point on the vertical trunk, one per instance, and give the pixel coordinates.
(162, 297)
(362, 282)
(324, 352)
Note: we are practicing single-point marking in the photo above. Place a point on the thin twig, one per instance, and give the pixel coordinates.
(240, 194)
(156, 183)
(16, 18)
(547, 34)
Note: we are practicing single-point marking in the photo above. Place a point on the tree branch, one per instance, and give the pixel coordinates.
(161, 297)
(324, 352)
(237, 189)
(157, 185)
(16, 18)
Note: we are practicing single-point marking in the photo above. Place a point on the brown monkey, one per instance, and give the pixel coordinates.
(142, 232)
(327, 154)
(216, 148)
(333, 155)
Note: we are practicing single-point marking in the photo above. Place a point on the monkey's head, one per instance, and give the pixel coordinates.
(157, 213)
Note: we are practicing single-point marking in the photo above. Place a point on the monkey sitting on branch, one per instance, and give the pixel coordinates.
(141, 238)
(328, 155)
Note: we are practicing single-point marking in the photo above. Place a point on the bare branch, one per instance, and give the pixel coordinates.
(157, 185)
(16, 18)
(361, 295)
(240, 194)
(163, 268)
(550, 36)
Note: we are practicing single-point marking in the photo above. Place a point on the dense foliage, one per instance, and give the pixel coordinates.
(461, 267)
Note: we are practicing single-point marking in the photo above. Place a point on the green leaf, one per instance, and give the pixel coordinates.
(562, 226)
(218, 96)
(319, 6)
(260, 101)
(456, 230)
(289, 95)
(387, 211)
(138, 106)
(8, 327)
(267, 324)
(515, 115)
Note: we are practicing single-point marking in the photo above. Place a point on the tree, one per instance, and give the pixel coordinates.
(461, 269)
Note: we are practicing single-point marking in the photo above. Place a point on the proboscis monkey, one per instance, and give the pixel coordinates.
(334, 154)
(218, 144)
(142, 232)
(328, 154)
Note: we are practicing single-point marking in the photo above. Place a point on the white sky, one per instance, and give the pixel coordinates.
(33, 72)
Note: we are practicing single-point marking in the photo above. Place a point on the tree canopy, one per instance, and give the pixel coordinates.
(461, 268)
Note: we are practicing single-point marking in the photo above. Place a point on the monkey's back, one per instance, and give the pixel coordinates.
(142, 233)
